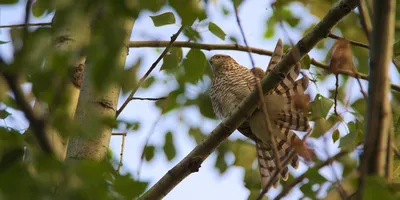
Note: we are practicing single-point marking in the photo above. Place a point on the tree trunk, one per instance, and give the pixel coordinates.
(93, 106)
(378, 119)
(71, 35)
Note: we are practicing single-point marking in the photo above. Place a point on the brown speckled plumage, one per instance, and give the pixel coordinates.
(232, 83)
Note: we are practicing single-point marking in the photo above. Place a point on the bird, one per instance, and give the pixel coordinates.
(232, 83)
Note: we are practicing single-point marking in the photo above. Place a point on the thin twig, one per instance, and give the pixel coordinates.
(300, 178)
(336, 93)
(122, 152)
(236, 47)
(365, 19)
(141, 81)
(118, 134)
(355, 43)
(25, 25)
(148, 99)
(261, 96)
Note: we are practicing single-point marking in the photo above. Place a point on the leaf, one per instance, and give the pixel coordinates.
(360, 106)
(245, 153)
(171, 60)
(306, 62)
(216, 30)
(39, 8)
(194, 64)
(220, 163)
(377, 188)
(320, 107)
(148, 82)
(335, 135)
(169, 147)
(205, 106)
(4, 42)
(149, 152)
(127, 187)
(8, 1)
(322, 125)
(252, 179)
(314, 176)
(163, 19)
(197, 134)
(396, 48)
(4, 114)
(353, 138)
(129, 80)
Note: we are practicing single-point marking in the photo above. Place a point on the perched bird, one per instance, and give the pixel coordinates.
(232, 83)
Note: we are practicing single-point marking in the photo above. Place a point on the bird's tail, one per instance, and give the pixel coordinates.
(290, 118)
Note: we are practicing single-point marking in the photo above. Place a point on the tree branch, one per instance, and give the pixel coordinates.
(37, 125)
(236, 47)
(148, 99)
(192, 162)
(25, 25)
(378, 120)
(141, 81)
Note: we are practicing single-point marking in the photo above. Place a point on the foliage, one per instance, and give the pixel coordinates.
(42, 177)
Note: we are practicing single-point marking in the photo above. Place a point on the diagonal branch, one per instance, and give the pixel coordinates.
(192, 162)
(37, 124)
(141, 81)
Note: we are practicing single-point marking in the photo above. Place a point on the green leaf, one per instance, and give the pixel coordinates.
(314, 176)
(197, 134)
(8, 1)
(129, 80)
(148, 82)
(220, 163)
(171, 60)
(127, 187)
(169, 146)
(396, 48)
(245, 153)
(377, 188)
(320, 107)
(149, 152)
(322, 125)
(353, 138)
(192, 34)
(4, 114)
(163, 19)
(195, 64)
(39, 8)
(335, 135)
(4, 42)
(252, 179)
(360, 106)
(306, 62)
(216, 30)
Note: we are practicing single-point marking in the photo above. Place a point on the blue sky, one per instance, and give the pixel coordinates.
(207, 183)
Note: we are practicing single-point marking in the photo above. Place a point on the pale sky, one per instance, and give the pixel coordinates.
(207, 183)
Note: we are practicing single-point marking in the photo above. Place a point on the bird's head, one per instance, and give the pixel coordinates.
(218, 60)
